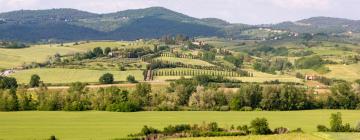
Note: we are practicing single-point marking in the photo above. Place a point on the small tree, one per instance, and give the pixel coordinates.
(131, 79)
(107, 50)
(336, 122)
(107, 78)
(260, 126)
(34, 81)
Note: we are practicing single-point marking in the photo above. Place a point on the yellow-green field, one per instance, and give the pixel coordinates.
(108, 125)
(262, 77)
(10, 58)
(59, 75)
(346, 72)
(185, 61)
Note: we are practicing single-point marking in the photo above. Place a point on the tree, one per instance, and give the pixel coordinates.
(342, 96)
(34, 81)
(131, 79)
(98, 52)
(8, 83)
(107, 78)
(260, 126)
(142, 93)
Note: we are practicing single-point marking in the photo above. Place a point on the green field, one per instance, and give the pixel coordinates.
(185, 61)
(59, 75)
(10, 58)
(108, 125)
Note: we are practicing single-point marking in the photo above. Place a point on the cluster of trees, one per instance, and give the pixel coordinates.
(198, 93)
(268, 50)
(236, 60)
(258, 126)
(115, 52)
(271, 66)
(12, 45)
(336, 125)
(76, 98)
(172, 40)
(312, 62)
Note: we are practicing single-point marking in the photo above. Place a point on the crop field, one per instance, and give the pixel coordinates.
(262, 77)
(10, 58)
(109, 125)
(185, 61)
(59, 75)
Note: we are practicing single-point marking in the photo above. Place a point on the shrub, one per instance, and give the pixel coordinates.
(281, 130)
(145, 131)
(244, 129)
(107, 78)
(131, 79)
(246, 108)
(260, 126)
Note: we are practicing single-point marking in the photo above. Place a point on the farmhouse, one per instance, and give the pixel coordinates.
(310, 77)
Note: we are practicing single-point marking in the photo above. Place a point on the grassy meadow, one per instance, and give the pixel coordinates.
(110, 125)
(60, 75)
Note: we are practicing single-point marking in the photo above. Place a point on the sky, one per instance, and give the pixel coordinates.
(235, 11)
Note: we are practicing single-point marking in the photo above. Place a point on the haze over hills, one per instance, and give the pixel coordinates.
(154, 22)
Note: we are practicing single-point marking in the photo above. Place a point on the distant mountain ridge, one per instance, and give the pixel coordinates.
(320, 24)
(153, 22)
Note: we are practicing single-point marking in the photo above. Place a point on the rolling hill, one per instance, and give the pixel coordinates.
(320, 24)
(71, 24)
(153, 22)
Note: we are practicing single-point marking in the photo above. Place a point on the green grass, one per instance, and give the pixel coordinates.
(185, 61)
(59, 75)
(108, 125)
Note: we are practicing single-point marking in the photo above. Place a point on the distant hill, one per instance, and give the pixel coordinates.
(71, 24)
(320, 24)
(154, 22)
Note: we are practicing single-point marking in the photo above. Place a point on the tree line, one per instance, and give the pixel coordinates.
(202, 92)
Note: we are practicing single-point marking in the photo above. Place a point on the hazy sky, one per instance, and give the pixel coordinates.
(236, 11)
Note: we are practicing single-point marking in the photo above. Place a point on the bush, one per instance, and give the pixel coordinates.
(246, 108)
(131, 79)
(244, 129)
(281, 130)
(145, 131)
(260, 126)
(322, 128)
(107, 78)
(124, 107)
(34, 81)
